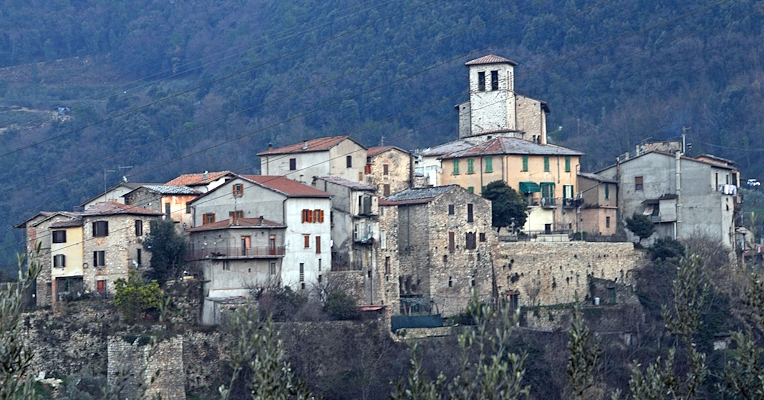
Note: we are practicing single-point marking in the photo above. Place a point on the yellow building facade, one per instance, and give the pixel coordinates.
(545, 174)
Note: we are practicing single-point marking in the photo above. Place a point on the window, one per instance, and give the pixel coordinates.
(367, 169)
(59, 236)
(607, 191)
(469, 213)
(318, 244)
(59, 261)
(100, 228)
(494, 80)
(567, 191)
(101, 286)
(385, 169)
(306, 238)
(607, 222)
(386, 189)
(188, 208)
(138, 257)
(451, 244)
(471, 189)
(246, 243)
(238, 189)
(272, 268)
(450, 282)
(167, 210)
(99, 258)
(208, 218)
(387, 265)
(236, 214)
(292, 164)
(470, 241)
(451, 210)
(525, 163)
(567, 164)
(302, 272)
(481, 81)
(319, 265)
(470, 166)
(456, 167)
(138, 227)
(638, 185)
(488, 164)
(482, 236)
(349, 161)
(546, 164)
(382, 240)
(226, 266)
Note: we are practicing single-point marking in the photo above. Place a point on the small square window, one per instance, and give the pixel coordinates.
(451, 210)
(59, 236)
(100, 228)
(638, 185)
(59, 261)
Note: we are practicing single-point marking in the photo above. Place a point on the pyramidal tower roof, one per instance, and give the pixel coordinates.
(490, 59)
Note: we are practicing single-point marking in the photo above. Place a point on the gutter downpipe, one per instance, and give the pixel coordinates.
(678, 157)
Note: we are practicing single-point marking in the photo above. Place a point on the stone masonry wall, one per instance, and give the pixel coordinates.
(398, 164)
(389, 289)
(414, 250)
(529, 116)
(453, 275)
(166, 359)
(551, 272)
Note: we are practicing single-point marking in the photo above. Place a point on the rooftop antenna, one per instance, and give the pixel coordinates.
(382, 141)
(122, 169)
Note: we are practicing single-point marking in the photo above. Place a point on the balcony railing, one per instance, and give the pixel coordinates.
(237, 252)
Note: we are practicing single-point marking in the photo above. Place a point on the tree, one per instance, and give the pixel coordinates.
(256, 345)
(508, 205)
(15, 355)
(168, 250)
(134, 296)
(583, 354)
(640, 225)
(340, 305)
(664, 248)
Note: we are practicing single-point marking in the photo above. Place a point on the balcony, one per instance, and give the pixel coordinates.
(236, 252)
(548, 202)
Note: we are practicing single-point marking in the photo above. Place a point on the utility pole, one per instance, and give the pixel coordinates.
(105, 171)
(684, 138)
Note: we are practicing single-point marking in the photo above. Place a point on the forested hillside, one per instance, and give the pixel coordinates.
(177, 86)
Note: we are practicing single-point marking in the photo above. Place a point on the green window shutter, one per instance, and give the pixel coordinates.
(546, 164)
(471, 189)
(525, 163)
(456, 167)
(607, 191)
(470, 166)
(489, 164)
(567, 164)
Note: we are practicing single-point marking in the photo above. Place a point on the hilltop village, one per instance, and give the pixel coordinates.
(402, 230)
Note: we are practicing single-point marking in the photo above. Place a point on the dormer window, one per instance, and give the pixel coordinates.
(481, 81)
(494, 80)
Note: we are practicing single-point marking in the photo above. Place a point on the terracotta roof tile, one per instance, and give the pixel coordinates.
(320, 144)
(114, 208)
(286, 186)
(239, 223)
(197, 179)
(490, 59)
(509, 145)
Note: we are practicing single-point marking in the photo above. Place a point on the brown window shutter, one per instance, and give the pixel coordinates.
(310, 216)
(307, 241)
(451, 244)
(386, 190)
(318, 244)
(304, 218)
(321, 216)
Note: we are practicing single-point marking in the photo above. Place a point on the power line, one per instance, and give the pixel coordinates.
(559, 80)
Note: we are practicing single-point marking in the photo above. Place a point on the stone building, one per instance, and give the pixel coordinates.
(386, 248)
(339, 156)
(598, 213)
(388, 168)
(170, 200)
(444, 247)
(355, 230)
(87, 250)
(683, 196)
(114, 193)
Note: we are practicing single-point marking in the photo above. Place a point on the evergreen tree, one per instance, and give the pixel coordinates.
(508, 205)
(168, 250)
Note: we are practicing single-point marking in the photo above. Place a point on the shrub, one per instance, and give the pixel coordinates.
(340, 306)
(640, 225)
(664, 248)
(134, 296)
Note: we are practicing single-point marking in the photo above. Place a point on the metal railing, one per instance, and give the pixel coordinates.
(236, 252)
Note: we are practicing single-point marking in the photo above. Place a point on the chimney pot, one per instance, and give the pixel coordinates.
(270, 146)
(206, 175)
(305, 145)
(261, 220)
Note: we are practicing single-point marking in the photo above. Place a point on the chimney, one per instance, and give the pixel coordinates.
(305, 145)
(206, 175)
(270, 146)
(230, 220)
(261, 220)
